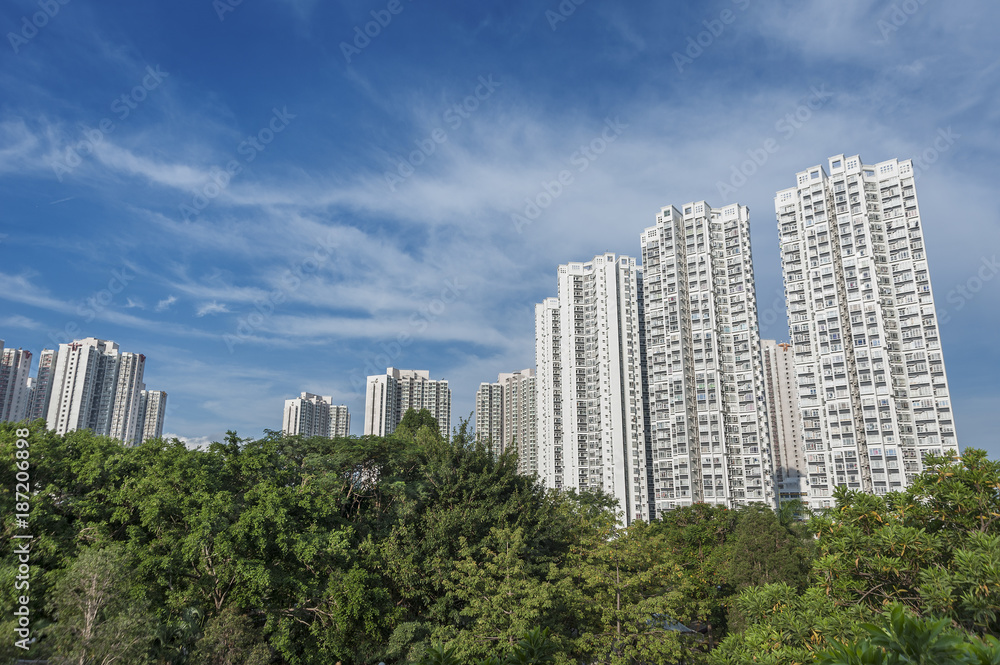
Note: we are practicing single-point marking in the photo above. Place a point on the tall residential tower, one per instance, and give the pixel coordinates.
(785, 421)
(150, 411)
(872, 387)
(312, 415)
(93, 385)
(389, 396)
(506, 415)
(15, 397)
(589, 354)
(709, 434)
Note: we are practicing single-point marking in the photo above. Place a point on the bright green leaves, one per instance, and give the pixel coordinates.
(898, 638)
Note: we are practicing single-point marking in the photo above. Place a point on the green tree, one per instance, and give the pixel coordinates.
(230, 638)
(100, 616)
(901, 639)
(933, 549)
(503, 592)
(632, 595)
(416, 424)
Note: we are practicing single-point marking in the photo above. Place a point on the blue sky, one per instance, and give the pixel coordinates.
(277, 212)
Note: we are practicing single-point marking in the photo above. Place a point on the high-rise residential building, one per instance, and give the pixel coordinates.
(42, 385)
(506, 417)
(96, 386)
(125, 424)
(388, 397)
(708, 418)
(312, 415)
(150, 411)
(785, 421)
(589, 356)
(489, 415)
(870, 372)
(15, 398)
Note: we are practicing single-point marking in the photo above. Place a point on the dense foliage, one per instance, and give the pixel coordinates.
(412, 548)
(931, 552)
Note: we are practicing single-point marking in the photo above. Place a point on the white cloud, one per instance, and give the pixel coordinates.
(165, 304)
(18, 321)
(209, 308)
(192, 442)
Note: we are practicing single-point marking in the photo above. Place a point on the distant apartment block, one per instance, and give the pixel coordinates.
(15, 396)
(152, 407)
(873, 392)
(388, 397)
(708, 419)
(128, 388)
(785, 421)
(313, 415)
(41, 387)
(589, 357)
(96, 386)
(506, 417)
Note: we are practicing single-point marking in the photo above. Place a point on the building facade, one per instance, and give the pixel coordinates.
(506, 417)
(96, 386)
(590, 408)
(125, 423)
(388, 397)
(709, 438)
(15, 396)
(312, 415)
(873, 392)
(41, 389)
(151, 409)
(489, 416)
(785, 421)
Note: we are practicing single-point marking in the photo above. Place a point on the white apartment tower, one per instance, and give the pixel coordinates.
(872, 387)
(15, 397)
(388, 397)
(125, 424)
(506, 416)
(42, 385)
(708, 419)
(489, 415)
(312, 415)
(589, 356)
(96, 386)
(785, 421)
(152, 407)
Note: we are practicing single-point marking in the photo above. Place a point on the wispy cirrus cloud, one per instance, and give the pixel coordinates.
(211, 308)
(165, 304)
